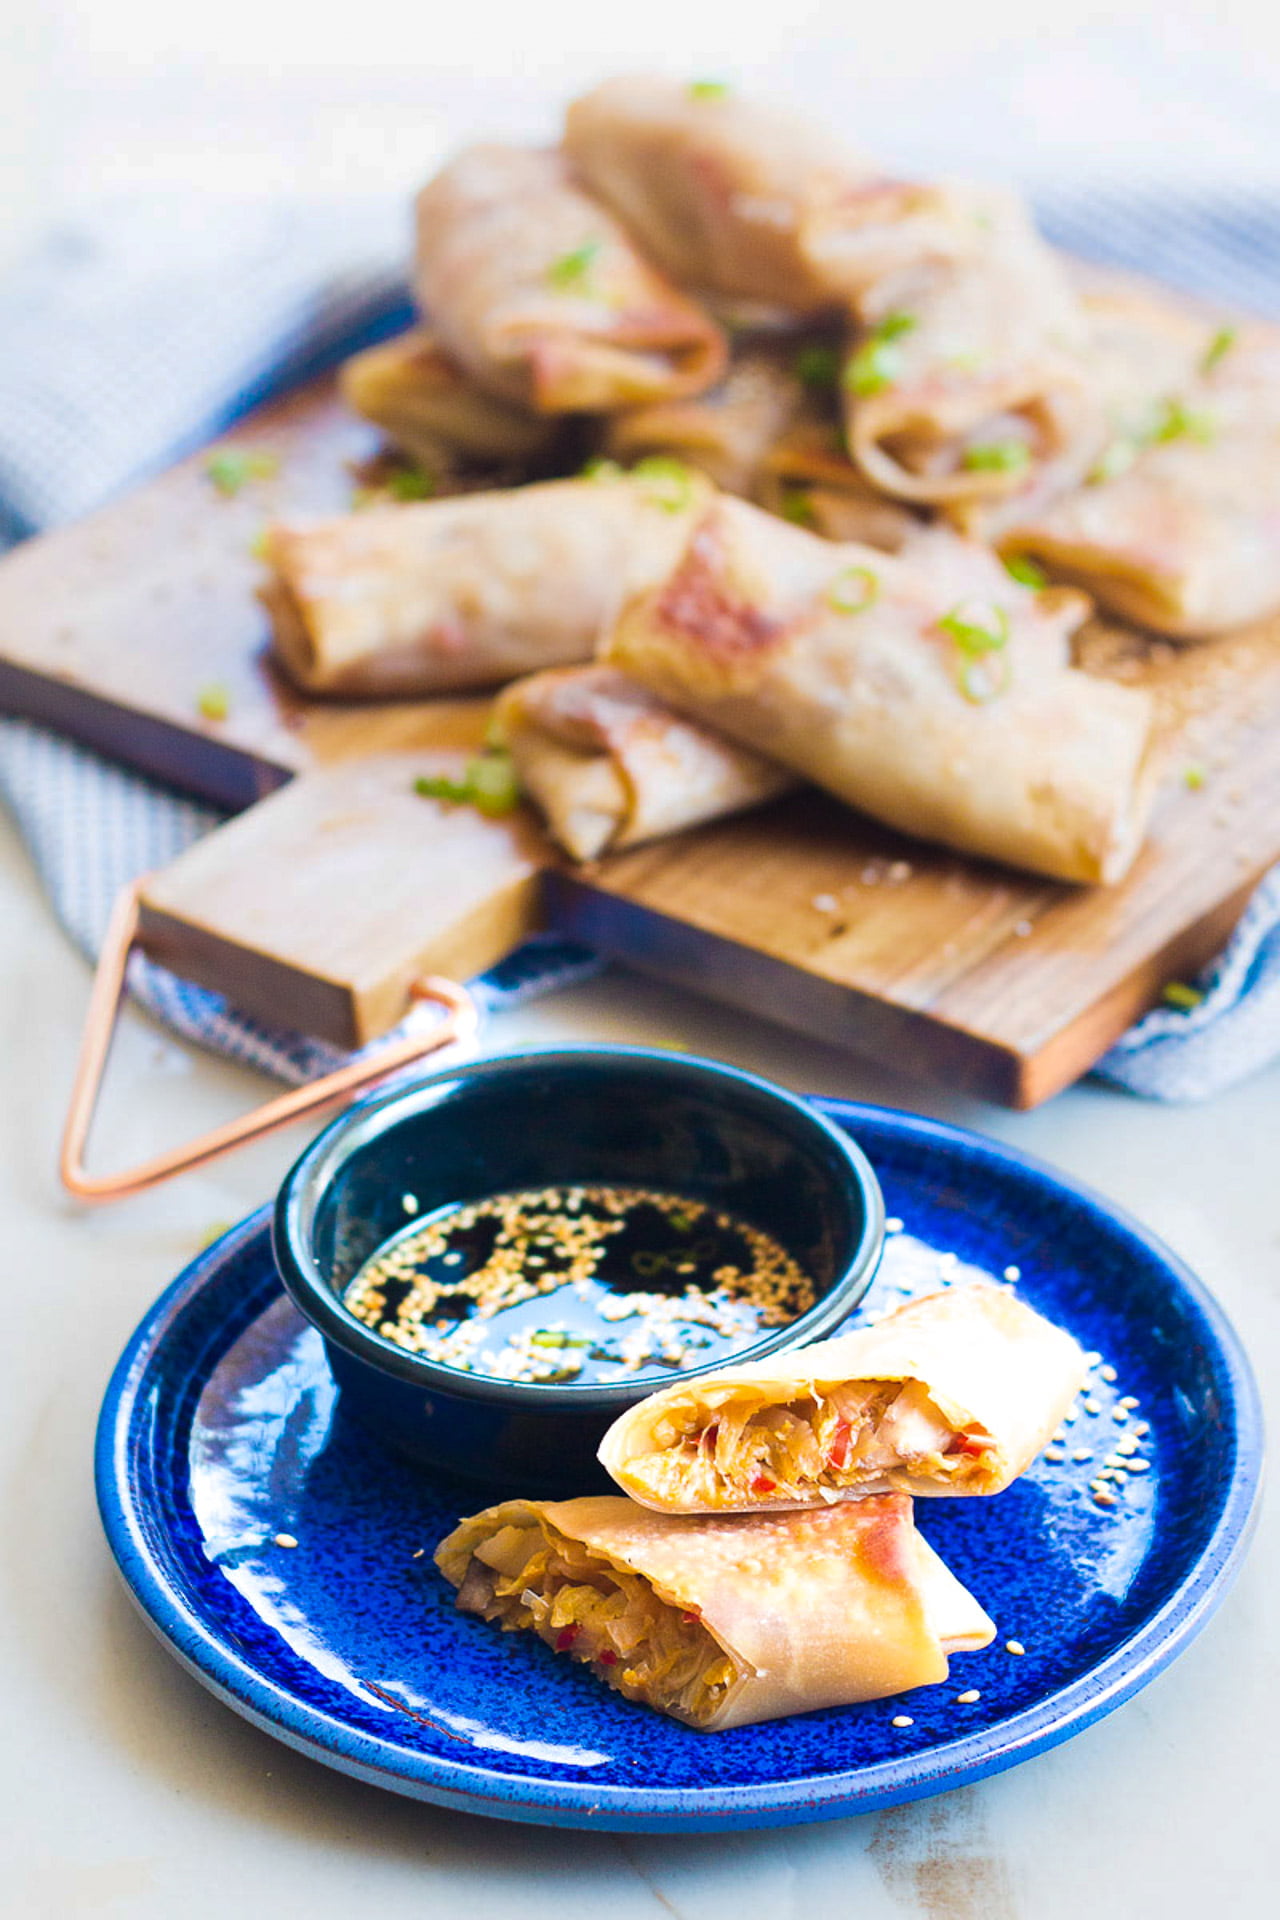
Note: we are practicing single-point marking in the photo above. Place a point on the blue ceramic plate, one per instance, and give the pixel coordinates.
(222, 1444)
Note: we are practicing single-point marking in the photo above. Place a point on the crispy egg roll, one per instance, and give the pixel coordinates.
(539, 294)
(954, 1394)
(727, 432)
(609, 766)
(965, 381)
(721, 1622)
(473, 591)
(720, 190)
(1178, 524)
(808, 478)
(927, 687)
(428, 408)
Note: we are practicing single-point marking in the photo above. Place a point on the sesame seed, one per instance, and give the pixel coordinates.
(409, 1201)
(1092, 1406)
(1054, 1454)
(1014, 1646)
(902, 1720)
(1129, 1400)
(1071, 1415)
(1092, 1359)
(418, 1555)
(1139, 1466)
(1127, 1443)
(825, 903)
(946, 1262)
(1082, 1453)
(1140, 1428)
(1060, 1435)
(1101, 1498)
(1108, 1373)
(1013, 1273)
(893, 1225)
(967, 1698)
(285, 1540)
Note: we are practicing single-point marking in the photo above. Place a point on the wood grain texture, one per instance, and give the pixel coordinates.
(803, 911)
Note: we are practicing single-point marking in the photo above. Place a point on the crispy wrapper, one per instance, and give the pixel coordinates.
(1178, 524)
(967, 379)
(726, 433)
(539, 294)
(722, 1622)
(953, 1395)
(429, 408)
(926, 687)
(469, 592)
(609, 766)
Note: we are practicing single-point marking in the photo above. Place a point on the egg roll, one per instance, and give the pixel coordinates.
(952, 1395)
(609, 766)
(807, 477)
(720, 190)
(428, 408)
(473, 591)
(966, 380)
(927, 687)
(1177, 527)
(721, 1622)
(538, 293)
(727, 432)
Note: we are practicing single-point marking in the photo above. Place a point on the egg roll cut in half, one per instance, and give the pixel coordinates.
(727, 432)
(473, 591)
(720, 1622)
(965, 382)
(954, 1394)
(539, 294)
(1177, 526)
(432, 411)
(609, 766)
(724, 192)
(926, 687)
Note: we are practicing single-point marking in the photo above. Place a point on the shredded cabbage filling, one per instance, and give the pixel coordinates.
(849, 1437)
(604, 1616)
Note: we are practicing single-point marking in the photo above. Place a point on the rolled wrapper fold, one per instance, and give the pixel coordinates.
(727, 432)
(808, 478)
(472, 591)
(967, 379)
(722, 1622)
(927, 687)
(428, 407)
(609, 765)
(1178, 524)
(539, 294)
(719, 190)
(954, 1394)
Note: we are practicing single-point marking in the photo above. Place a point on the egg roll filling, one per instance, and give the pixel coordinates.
(604, 1616)
(848, 1437)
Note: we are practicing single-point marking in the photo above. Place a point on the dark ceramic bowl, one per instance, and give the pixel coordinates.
(623, 1116)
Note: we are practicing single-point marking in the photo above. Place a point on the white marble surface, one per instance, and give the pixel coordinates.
(129, 1791)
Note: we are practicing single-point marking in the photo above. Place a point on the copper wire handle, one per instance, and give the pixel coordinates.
(108, 986)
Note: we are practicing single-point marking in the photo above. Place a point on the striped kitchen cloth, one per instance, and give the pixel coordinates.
(129, 341)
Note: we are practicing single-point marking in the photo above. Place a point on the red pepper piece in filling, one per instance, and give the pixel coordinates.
(762, 1484)
(707, 1438)
(969, 1443)
(691, 1619)
(838, 1451)
(607, 1657)
(565, 1639)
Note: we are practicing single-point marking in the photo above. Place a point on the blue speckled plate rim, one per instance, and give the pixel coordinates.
(490, 1790)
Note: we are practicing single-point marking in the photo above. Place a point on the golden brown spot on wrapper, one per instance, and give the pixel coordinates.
(697, 603)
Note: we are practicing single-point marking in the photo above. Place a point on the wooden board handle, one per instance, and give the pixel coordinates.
(461, 1019)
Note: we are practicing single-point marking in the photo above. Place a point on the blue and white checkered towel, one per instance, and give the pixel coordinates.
(123, 345)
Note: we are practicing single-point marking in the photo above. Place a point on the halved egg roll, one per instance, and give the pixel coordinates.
(1178, 524)
(954, 1394)
(926, 687)
(609, 766)
(472, 591)
(966, 381)
(725, 433)
(539, 294)
(722, 1622)
(428, 407)
(718, 189)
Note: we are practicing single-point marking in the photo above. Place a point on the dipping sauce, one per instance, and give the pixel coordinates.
(589, 1284)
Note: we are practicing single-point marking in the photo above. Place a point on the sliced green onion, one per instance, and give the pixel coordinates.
(260, 545)
(1218, 348)
(571, 269)
(598, 468)
(557, 1337)
(214, 701)
(489, 784)
(1025, 572)
(1178, 994)
(1114, 460)
(797, 507)
(667, 483)
(412, 483)
(893, 326)
(877, 362)
(854, 590)
(232, 469)
(997, 456)
(1175, 420)
(973, 636)
(818, 367)
(983, 680)
(708, 89)
(1193, 777)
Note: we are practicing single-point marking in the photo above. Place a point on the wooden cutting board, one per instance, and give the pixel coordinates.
(119, 629)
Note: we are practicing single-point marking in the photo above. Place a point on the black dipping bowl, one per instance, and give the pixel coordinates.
(616, 1116)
